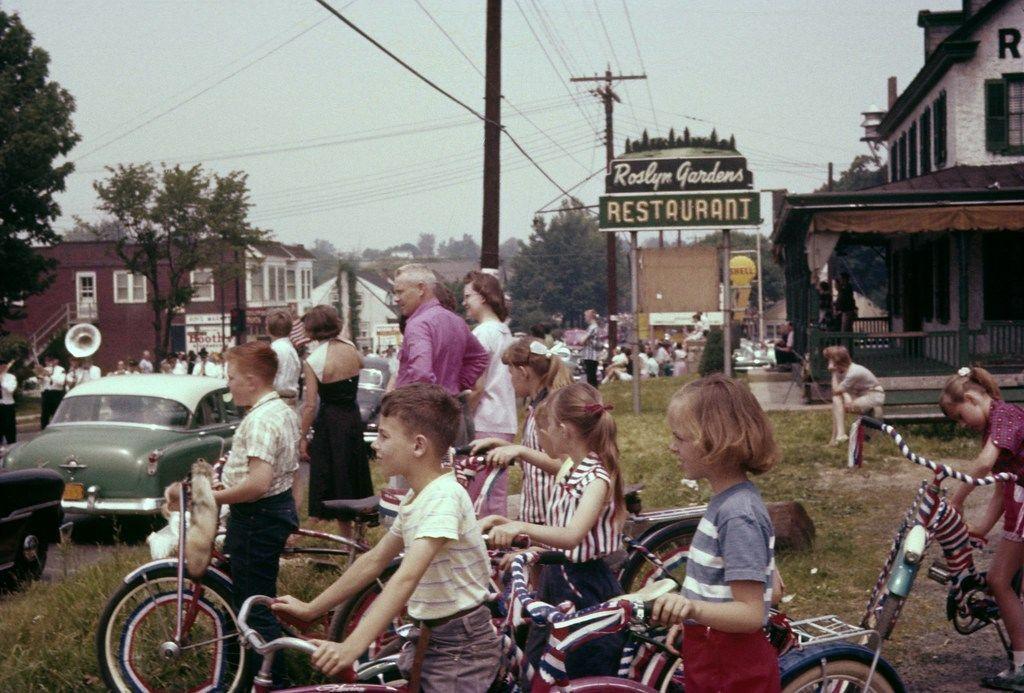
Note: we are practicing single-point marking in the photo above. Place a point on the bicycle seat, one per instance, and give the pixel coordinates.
(354, 509)
(648, 593)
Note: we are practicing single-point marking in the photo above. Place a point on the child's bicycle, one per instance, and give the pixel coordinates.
(930, 517)
(814, 658)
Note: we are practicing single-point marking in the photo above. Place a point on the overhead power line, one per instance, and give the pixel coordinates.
(439, 89)
(643, 68)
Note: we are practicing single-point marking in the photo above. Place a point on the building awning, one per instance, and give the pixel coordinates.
(920, 219)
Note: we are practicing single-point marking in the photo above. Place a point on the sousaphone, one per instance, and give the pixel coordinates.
(82, 340)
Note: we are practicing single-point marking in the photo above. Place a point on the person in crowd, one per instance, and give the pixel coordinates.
(537, 331)
(53, 384)
(679, 364)
(338, 467)
(620, 367)
(719, 433)
(855, 389)
(493, 399)
(133, 367)
(82, 371)
(664, 359)
(192, 358)
(584, 518)
(213, 367)
(845, 304)
(652, 369)
(8, 418)
(167, 366)
(785, 354)
(286, 382)
(180, 364)
(119, 369)
(391, 356)
(590, 346)
(146, 362)
(972, 399)
(443, 579)
(824, 303)
(437, 346)
(535, 371)
(257, 483)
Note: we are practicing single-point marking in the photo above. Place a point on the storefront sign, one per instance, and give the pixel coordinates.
(678, 175)
(387, 335)
(680, 211)
(210, 331)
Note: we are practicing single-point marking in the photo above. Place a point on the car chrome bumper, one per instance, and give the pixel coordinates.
(369, 436)
(126, 506)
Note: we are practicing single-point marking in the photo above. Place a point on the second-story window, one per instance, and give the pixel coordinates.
(256, 284)
(289, 285)
(306, 284)
(129, 288)
(202, 282)
(1004, 114)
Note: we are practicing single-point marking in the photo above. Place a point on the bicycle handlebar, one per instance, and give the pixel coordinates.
(937, 467)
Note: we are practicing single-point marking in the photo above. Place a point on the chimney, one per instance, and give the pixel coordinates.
(939, 25)
(893, 94)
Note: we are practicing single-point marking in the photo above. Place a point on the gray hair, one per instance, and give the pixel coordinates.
(417, 274)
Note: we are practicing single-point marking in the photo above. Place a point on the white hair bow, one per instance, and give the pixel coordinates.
(558, 349)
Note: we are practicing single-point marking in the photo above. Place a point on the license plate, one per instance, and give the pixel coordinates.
(74, 492)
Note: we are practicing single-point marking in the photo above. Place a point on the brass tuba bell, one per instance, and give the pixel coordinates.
(82, 340)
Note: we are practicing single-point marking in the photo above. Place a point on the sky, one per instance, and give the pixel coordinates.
(340, 142)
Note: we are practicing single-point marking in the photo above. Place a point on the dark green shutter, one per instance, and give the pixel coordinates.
(939, 116)
(995, 115)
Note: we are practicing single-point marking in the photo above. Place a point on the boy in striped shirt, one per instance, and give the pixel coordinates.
(444, 575)
(719, 433)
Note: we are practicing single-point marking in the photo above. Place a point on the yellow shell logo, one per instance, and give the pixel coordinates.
(742, 271)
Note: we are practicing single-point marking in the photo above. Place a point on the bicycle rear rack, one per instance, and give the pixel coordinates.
(825, 629)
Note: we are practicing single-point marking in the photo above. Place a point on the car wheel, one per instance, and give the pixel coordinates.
(31, 558)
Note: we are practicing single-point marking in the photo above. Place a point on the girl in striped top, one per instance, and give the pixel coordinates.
(583, 518)
(535, 371)
(720, 433)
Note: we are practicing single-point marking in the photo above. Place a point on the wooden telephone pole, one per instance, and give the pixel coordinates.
(609, 97)
(492, 140)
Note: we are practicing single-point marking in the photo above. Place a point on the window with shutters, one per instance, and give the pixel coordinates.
(903, 156)
(939, 126)
(926, 141)
(257, 283)
(912, 150)
(202, 284)
(1004, 114)
(289, 294)
(128, 287)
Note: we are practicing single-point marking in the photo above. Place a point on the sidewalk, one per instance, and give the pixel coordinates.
(779, 392)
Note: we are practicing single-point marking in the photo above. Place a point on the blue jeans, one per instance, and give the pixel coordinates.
(256, 535)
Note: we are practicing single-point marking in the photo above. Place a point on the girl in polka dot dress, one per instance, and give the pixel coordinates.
(972, 399)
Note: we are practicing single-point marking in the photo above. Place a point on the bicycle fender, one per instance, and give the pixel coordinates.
(904, 572)
(173, 563)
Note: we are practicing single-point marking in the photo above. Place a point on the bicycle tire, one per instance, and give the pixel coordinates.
(889, 612)
(671, 543)
(140, 616)
(348, 614)
(815, 667)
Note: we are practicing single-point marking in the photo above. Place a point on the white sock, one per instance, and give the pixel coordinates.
(1018, 659)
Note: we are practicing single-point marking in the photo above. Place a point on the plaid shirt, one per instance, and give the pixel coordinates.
(270, 431)
(590, 349)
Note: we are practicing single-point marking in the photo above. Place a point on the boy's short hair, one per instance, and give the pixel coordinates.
(838, 355)
(426, 410)
(254, 358)
(279, 323)
(721, 416)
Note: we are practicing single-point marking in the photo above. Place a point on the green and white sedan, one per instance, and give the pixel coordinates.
(120, 440)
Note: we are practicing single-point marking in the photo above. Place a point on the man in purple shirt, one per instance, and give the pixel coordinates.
(437, 346)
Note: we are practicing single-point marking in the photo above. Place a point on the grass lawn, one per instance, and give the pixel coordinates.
(46, 632)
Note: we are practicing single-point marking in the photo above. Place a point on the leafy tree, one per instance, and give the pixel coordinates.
(712, 359)
(508, 249)
(863, 172)
(425, 245)
(325, 261)
(175, 222)
(35, 129)
(465, 248)
(562, 269)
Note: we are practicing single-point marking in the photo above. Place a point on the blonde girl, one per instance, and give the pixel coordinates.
(720, 433)
(855, 389)
(584, 517)
(972, 399)
(536, 371)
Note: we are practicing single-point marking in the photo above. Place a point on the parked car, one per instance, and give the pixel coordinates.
(373, 382)
(30, 520)
(752, 355)
(119, 441)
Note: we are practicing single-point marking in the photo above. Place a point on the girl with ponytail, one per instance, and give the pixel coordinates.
(536, 371)
(583, 519)
(972, 399)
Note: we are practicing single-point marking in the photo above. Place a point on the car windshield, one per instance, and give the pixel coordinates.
(371, 379)
(122, 409)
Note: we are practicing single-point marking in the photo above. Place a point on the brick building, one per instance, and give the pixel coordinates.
(91, 285)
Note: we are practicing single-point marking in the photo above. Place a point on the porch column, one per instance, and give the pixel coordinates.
(965, 307)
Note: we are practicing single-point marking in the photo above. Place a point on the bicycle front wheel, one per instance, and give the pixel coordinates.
(135, 636)
(837, 667)
(347, 616)
(671, 544)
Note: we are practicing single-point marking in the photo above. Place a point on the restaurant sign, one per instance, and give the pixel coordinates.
(678, 175)
(710, 210)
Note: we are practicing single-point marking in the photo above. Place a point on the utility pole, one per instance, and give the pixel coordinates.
(492, 139)
(609, 97)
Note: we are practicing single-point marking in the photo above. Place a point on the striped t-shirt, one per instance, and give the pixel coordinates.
(537, 484)
(458, 577)
(734, 541)
(605, 536)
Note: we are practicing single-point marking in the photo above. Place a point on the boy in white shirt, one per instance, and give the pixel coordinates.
(443, 578)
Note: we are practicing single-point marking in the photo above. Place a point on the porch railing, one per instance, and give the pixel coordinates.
(889, 353)
(998, 341)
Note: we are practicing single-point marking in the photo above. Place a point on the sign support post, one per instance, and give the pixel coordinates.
(760, 292)
(634, 274)
(726, 302)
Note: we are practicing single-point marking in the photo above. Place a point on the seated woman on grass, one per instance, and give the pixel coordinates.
(855, 389)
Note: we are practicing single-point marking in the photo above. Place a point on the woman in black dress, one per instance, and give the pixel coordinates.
(338, 466)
